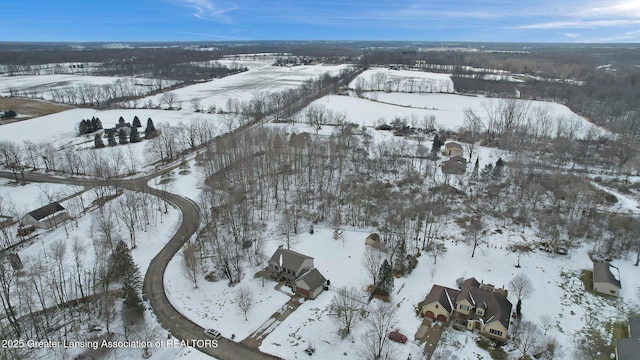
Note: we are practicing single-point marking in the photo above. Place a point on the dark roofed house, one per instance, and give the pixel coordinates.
(629, 348)
(297, 271)
(604, 280)
(481, 306)
(456, 165)
(46, 217)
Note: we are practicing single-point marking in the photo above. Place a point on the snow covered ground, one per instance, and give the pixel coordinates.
(264, 78)
(558, 291)
(448, 109)
(404, 81)
(25, 198)
(43, 85)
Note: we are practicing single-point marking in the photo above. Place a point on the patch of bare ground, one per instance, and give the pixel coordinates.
(30, 108)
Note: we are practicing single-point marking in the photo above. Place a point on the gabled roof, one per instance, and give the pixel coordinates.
(602, 273)
(467, 285)
(496, 306)
(290, 259)
(495, 303)
(444, 296)
(46, 210)
(453, 145)
(312, 279)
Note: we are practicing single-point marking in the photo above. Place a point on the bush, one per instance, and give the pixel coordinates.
(9, 114)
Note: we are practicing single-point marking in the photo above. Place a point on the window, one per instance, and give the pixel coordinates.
(464, 307)
(275, 267)
(495, 332)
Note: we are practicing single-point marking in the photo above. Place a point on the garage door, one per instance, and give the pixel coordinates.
(429, 314)
(442, 318)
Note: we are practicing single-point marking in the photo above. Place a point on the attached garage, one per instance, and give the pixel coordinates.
(442, 318)
(429, 314)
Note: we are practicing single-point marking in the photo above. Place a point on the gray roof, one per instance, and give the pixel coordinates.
(311, 280)
(628, 349)
(46, 210)
(290, 259)
(602, 273)
(634, 325)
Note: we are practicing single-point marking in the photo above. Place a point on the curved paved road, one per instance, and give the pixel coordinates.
(177, 324)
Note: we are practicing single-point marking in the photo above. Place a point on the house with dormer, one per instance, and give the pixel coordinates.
(480, 307)
(297, 271)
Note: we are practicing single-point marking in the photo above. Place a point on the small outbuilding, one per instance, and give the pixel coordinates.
(46, 217)
(373, 239)
(452, 149)
(604, 280)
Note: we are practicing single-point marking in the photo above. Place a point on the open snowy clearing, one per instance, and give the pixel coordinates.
(384, 79)
(28, 197)
(243, 86)
(62, 127)
(42, 85)
(448, 109)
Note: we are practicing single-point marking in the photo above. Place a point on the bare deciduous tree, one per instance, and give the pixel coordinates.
(528, 339)
(191, 263)
(244, 299)
(169, 98)
(371, 261)
(347, 308)
(380, 321)
(521, 286)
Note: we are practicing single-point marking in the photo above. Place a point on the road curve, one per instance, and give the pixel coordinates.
(153, 289)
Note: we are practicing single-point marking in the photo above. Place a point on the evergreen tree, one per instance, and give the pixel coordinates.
(83, 128)
(150, 131)
(519, 308)
(98, 141)
(131, 284)
(122, 137)
(385, 278)
(122, 267)
(98, 124)
(111, 138)
(497, 170)
(136, 122)
(121, 121)
(134, 136)
(476, 169)
(437, 144)
(487, 171)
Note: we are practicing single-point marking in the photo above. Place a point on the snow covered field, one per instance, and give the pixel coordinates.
(404, 81)
(448, 109)
(44, 85)
(263, 78)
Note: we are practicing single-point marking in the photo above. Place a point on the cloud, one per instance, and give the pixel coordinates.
(581, 24)
(207, 10)
(624, 9)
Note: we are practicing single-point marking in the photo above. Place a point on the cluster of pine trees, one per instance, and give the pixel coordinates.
(89, 126)
(124, 137)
